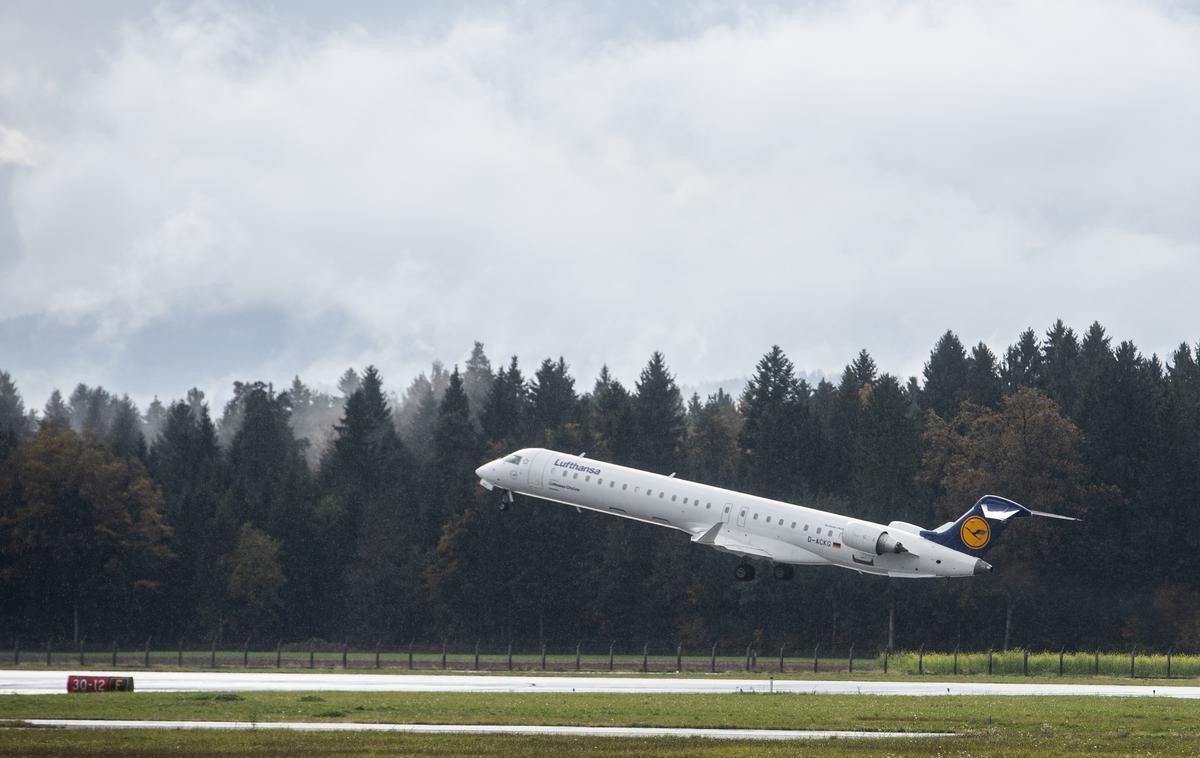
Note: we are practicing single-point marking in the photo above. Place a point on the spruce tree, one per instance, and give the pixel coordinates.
(945, 376)
(983, 377)
(658, 418)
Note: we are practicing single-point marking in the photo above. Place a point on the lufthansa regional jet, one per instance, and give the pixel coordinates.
(786, 535)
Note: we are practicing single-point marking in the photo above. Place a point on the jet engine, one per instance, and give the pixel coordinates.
(870, 538)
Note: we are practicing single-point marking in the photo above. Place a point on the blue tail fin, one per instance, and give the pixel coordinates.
(976, 531)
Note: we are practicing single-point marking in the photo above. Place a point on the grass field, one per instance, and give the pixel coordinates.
(984, 725)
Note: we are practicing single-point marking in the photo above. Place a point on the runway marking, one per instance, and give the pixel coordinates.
(572, 731)
(38, 682)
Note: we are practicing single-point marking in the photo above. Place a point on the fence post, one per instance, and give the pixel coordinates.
(754, 659)
(1061, 650)
(476, 655)
(956, 661)
(1025, 664)
(246, 653)
(921, 660)
(1169, 662)
(578, 645)
(81, 640)
(544, 656)
(645, 657)
(886, 653)
(114, 653)
(312, 655)
(989, 661)
(1132, 659)
(748, 657)
(179, 658)
(49, 647)
(510, 656)
(345, 655)
(146, 660)
(611, 645)
(377, 644)
(212, 654)
(816, 649)
(781, 649)
(278, 653)
(443, 654)
(16, 652)
(410, 657)
(679, 658)
(1096, 667)
(851, 660)
(713, 665)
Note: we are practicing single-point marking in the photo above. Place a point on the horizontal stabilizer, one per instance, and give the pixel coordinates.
(1054, 515)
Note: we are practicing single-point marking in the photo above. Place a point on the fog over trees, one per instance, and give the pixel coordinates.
(293, 514)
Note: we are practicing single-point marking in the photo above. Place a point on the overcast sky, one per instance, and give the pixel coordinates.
(196, 193)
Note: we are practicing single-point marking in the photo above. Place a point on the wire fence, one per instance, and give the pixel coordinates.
(616, 657)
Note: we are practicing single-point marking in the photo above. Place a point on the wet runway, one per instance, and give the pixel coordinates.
(572, 731)
(34, 682)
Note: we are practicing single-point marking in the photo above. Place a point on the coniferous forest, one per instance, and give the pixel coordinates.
(294, 514)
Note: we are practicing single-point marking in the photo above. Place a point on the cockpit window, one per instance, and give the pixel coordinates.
(513, 459)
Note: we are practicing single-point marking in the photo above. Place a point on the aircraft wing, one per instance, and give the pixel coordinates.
(714, 537)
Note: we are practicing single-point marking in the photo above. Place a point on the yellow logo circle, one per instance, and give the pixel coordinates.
(975, 533)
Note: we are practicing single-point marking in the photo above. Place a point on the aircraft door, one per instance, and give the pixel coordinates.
(741, 520)
(727, 512)
(537, 464)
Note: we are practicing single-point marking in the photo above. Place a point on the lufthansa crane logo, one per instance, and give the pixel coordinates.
(975, 533)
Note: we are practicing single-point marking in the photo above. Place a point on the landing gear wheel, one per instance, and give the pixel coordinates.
(506, 500)
(503, 505)
(744, 572)
(782, 571)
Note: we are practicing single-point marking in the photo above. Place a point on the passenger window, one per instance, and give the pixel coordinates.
(793, 524)
(709, 507)
(660, 494)
(806, 527)
(600, 481)
(649, 493)
(673, 498)
(685, 501)
(625, 486)
(576, 475)
(565, 474)
(611, 484)
(756, 517)
(587, 478)
(768, 519)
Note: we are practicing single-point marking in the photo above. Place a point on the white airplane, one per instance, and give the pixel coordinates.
(754, 527)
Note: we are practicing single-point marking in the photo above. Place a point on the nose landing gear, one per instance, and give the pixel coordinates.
(506, 500)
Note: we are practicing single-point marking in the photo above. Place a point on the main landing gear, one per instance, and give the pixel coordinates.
(506, 500)
(745, 572)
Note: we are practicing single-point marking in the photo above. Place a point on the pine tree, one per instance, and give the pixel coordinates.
(552, 393)
(56, 413)
(1061, 366)
(983, 377)
(945, 376)
(14, 424)
(477, 379)
(503, 418)
(613, 419)
(1022, 363)
(776, 435)
(658, 418)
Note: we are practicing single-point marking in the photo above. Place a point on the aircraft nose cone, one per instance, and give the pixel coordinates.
(982, 567)
(479, 472)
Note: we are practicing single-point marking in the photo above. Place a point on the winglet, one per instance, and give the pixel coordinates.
(709, 537)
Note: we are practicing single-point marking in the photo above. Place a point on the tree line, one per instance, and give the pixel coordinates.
(296, 514)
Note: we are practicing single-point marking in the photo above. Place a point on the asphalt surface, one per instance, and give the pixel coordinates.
(35, 682)
(573, 731)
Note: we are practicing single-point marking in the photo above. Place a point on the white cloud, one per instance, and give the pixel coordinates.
(826, 178)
